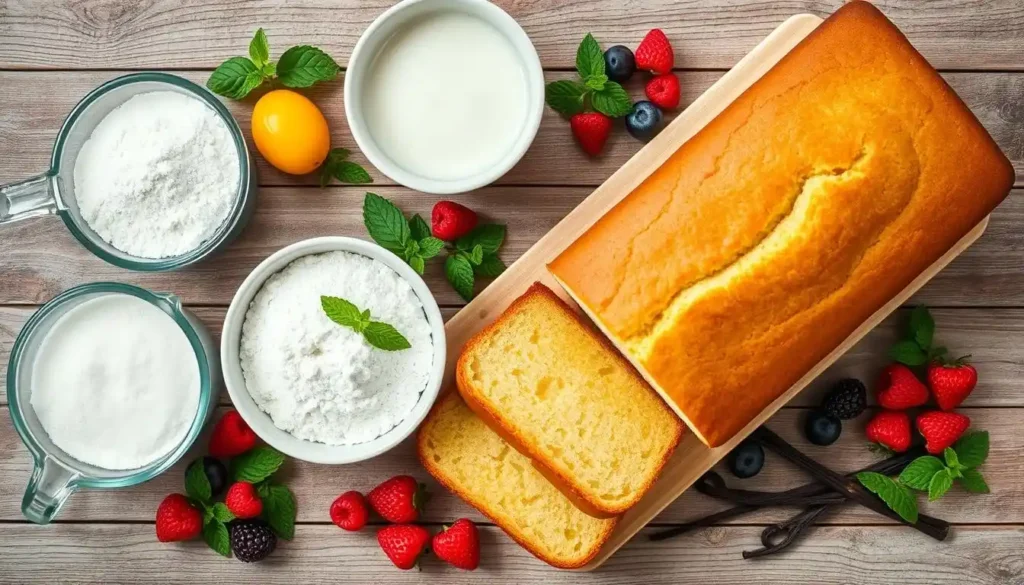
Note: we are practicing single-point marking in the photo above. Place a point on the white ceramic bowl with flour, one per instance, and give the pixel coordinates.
(318, 390)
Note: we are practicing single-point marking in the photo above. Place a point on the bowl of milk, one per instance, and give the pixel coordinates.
(444, 96)
(108, 385)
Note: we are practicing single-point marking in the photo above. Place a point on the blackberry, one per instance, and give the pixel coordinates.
(252, 540)
(846, 400)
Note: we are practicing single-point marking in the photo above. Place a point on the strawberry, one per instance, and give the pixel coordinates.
(450, 221)
(951, 383)
(458, 544)
(591, 131)
(231, 436)
(349, 511)
(899, 388)
(177, 519)
(890, 429)
(663, 90)
(403, 543)
(242, 500)
(655, 53)
(399, 499)
(941, 429)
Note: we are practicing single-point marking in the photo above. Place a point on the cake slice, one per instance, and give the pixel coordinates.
(471, 460)
(546, 381)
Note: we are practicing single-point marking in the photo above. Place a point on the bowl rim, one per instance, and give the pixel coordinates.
(358, 65)
(259, 421)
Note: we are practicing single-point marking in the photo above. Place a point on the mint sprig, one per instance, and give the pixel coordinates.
(377, 333)
(197, 485)
(215, 533)
(298, 67)
(345, 171)
(894, 494)
(917, 347)
(278, 508)
(593, 91)
(256, 464)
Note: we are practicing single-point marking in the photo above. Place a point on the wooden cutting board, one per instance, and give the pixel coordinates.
(692, 458)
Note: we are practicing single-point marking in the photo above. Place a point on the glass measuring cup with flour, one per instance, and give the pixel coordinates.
(149, 172)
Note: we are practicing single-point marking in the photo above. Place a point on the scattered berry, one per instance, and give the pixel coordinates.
(591, 131)
(403, 543)
(217, 473)
(251, 540)
(243, 501)
(890, 429)
(231, 436)
(349, 511)
(619, 63)
(450, 221)
(177, 519)
(822, 428)
(458, 544)
(747, 459)
(663, 91)
(846, 400)
(941, 429)
(399, 499)
(951, 383)
(643, 122)
(655, 53)
(899, 388)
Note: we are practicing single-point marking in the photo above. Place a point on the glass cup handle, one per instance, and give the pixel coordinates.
(33, 197)
(48, 488)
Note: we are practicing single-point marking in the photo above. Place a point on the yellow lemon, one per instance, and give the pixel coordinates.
(290, 132)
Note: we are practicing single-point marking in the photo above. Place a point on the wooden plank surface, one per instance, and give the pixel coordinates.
(35, 105)
(66, 34)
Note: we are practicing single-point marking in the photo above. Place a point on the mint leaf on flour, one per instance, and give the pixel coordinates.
(259, 49)
(384, 336)
(459, 271)
(565, 97)
(972, 449)
(918, 475)
(197, 485)
(304, 66)
(589, 58)
(256, 465)
(279, 509)
(895, 495)
(235, 78)
(385, 222)
(216, 536)
(341, 311)
(378, 334)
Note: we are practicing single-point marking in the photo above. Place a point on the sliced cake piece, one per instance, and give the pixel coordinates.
(471, 460)
(549, 383)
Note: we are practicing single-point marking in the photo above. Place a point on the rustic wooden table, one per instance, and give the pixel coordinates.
(53, 52)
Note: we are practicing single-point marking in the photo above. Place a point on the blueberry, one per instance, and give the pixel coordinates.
(822, 428)
(643, 122)
(619, 63)
(217, 473)
(747, 459)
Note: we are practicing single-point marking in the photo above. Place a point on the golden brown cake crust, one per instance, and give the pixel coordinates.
(806, 205)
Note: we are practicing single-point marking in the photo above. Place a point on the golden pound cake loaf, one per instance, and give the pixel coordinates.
(471, 460)
(548, 383)
(764, 241)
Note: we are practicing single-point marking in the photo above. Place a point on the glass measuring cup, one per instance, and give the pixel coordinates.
(53, 192)
(56, 475)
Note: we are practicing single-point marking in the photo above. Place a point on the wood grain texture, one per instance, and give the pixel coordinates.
(67, 34)
(119, 553)
(35, 105)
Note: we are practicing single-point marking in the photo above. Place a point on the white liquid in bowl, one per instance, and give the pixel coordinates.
(446, 96)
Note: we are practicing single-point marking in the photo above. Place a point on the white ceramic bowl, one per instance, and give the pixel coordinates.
(259, 420)
(374, 38)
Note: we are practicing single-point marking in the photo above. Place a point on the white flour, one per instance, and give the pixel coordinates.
(321, 381)
(115, 383)
(158, 175)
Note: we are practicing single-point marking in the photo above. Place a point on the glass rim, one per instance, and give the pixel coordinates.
(130, 476)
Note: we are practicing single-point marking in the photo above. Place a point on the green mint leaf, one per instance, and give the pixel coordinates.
(973, 481)
(259, 48)
(490, 266)
(279, 510)
(384, 336)
(207, 511)
(612, 100)
(417, 264)
(918, 475)
(340, 311)
(197, 485)
(476, 255)
(896, 496)
(222, 513)
(940, 484)
(951, 459)
(909, 353)
(303, 66)
(596, 82)
(922, 327)
(419, 228)
(431, 246)
(235, 78)
(385, 223)
(269, 70)
(936, 352)
(349, 172)
(565, 97)
(216, 536)
(460, 274)
(589, 58)
(488, 236)
(256, 465)
(334, 157)
(972, 449)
